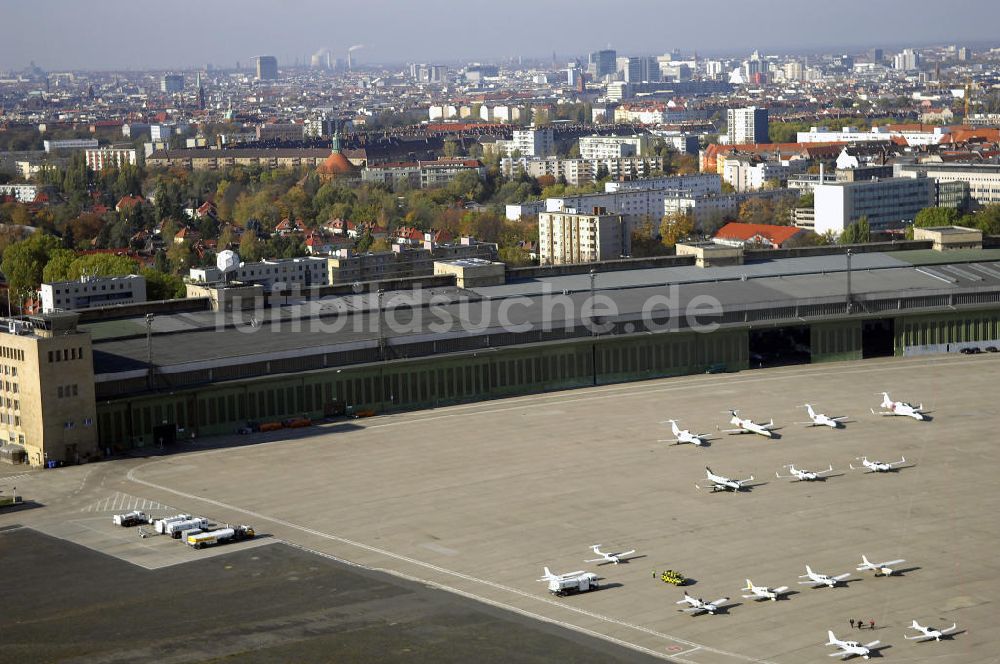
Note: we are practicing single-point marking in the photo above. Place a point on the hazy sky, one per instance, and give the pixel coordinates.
(119, 34)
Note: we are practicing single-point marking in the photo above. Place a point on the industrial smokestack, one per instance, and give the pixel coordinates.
(350, 59)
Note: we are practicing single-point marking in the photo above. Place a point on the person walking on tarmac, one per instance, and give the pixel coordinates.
(852, 623)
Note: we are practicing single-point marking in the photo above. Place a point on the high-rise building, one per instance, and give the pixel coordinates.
(267, 67)
(747, 125)
(568, 237)
(643, 69)
(908, 60)
(602, 63)
(172, 83)
(534, 142)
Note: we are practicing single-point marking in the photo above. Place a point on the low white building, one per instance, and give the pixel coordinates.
(276, 274)
(23, 193)
(983, 179)
(70, 144)
(90, 292)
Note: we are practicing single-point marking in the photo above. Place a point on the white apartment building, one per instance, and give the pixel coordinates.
(90, 292)
(887, 203)
(23, 193)
(636, 200)
(983, 179)
(614, 147)
(580, 171)
(747, 125)
(101, 158)
(534, 142)
(696, 184)
(566, 237)
(746, 175)
(276, 274)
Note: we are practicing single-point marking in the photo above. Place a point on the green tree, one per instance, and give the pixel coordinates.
(936, 216)
(58, 266)
(180, 256)
(161, 286)
(857, 233)
(988, 219)
(24, 262)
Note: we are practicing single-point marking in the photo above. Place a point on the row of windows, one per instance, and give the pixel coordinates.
(9, 353)
(11, 420)
(70, 424)
(66, 354)
(10, 387)
(9, 370)
(11, 403)
(67, 391)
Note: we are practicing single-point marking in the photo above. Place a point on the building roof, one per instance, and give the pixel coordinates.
(776, 235)
(336, 164)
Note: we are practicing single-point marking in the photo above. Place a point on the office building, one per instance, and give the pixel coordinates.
(888, 203)
(70, 144)
(644, 69)
(90, 292)
(983, 180)
(402, 262)
(568, 237)
(172, 83)
(47, 404)
(747, 125)
(281, 132)
(602, 63)
(267, 68)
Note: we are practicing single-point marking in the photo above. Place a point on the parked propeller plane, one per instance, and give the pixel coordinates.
(614, 558)
(901, 408)
(747, 425)
(763, 592)
(722, 483)
(821, 420)
(850, 648)
(801, 475)
(882, 569)
(684, 436)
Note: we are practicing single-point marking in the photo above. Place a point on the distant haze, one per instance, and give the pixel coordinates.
(129, 34)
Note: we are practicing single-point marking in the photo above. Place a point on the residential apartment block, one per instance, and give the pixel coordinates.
(566, 237)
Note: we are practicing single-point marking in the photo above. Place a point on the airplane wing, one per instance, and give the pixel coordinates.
(596, 560)
(629, 553)
(951, 629)
(918, 637)
(838, 419)
(840, 577)
(890, 562)
(897, 463)
(719, 602)
(842, 653)
(872, 644)
(780, 589)
(732, 431)
(828, 470)
(675, 441)
(882, 412)
(683, 601)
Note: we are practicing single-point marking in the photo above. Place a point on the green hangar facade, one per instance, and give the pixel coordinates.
(203, 373)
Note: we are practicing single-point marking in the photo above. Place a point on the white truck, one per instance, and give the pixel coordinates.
(175, 528)
(160, 524)
(220, 536)
(571, 582)
(129, 519)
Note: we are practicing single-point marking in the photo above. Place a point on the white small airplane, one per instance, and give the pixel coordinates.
(549, 576)
(684, 436)
(817, 579)
(850, 648)
(763, 592)
(821, 420)
(609, 557)
(746, 425)
(723, 483)
(879, 466)
(878, 568)
(902, 408)
(698, 605)
(929, 632)
(801, 475)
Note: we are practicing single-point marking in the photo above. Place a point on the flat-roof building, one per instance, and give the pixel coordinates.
(90, 292)
(887, 203)
(566, 237)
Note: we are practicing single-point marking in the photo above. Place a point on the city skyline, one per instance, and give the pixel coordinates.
(386, 29)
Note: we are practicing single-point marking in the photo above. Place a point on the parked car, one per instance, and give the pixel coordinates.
(972, 350)
(992, 349)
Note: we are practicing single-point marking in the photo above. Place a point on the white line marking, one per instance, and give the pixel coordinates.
(419, 563)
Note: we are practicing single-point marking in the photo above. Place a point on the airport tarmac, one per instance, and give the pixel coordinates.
(478, 498)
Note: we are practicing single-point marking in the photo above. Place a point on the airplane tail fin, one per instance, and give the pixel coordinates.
(915, 625)
(548, 574)
(886, 401)
(833, 639)
(864, 559)
(808, 570)
(749, 585)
